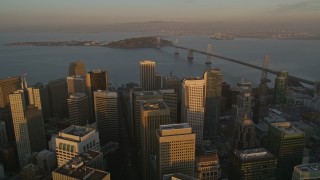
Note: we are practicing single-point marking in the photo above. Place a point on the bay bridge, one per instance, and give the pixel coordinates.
(210, 54)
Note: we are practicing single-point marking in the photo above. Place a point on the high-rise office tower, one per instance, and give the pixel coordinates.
(39, 98)
(78, 108)
(172, 82)
(106, 114)
(153, 114)
(243, 101)
(77, 68)
(47, 161)
(95, 80)
(58, 94)
(280, 88)
(76, 84)
(213, 84)
(175, 150)
(287, 144)
(138, 97)
(306, 171)
(192, 109)
(147, 75)
(170, 97)
(7, 86)
(73, 141)
(3, 134)
(158, 81)
(208, 167)
(252, 164)
(28, 126)
(244, 134)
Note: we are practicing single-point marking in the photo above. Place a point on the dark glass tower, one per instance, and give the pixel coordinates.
(287, 144)
(213, 84)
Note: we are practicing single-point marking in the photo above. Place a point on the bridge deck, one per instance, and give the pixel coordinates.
(246, 64)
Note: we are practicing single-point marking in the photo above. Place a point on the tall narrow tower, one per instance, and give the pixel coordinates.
(28, 126)
(147, 74)
(280, 88)
(106, 113)
(244, 134)
(95, 80)
(78, 107)
(192, 109)
(77, 68)
(213, 82)
(153, 114)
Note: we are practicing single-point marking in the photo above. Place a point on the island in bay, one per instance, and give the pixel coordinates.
(131, 43)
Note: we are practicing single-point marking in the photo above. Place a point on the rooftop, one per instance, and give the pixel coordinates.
(210, 157)
(77, 168)
(174, 126)
(312, 167)
(154, 105)
(253, 154)
(286, 128)
(146, 93)
(77, 130)
(77, 95)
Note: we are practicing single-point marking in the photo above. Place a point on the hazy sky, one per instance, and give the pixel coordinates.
(61, 12)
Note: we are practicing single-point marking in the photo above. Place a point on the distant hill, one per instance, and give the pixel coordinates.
(141, 42)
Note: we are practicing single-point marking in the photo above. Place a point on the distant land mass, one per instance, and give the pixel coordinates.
(142, 42)
(131, 43)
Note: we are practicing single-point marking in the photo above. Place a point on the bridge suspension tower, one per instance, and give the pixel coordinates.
(209, 53)
(263, 88)
(176, 43)
(158, 42)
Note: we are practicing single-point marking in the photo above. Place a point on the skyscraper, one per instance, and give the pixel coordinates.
(77, 68)
(78, 108)
(28, 126)
(136, 110)
(243, 101)
(39, 98)
(106, 114)
(170, 97)
(287, 144)
(73, 141)
(192, 109)
(252, 164)
(208, 167)
(280, 88)
(175, 150)
(153, 114)
(172, 82)
(213, 84)
(244, 134)
(7, 86)
(147, 75)
(95, 80)
(76, 84)
(3, 134)
(158, 81)
(58, 94)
